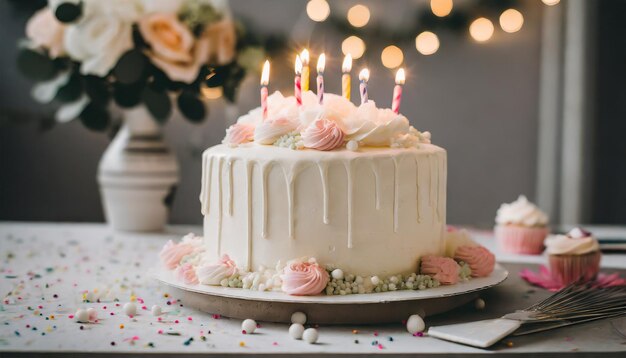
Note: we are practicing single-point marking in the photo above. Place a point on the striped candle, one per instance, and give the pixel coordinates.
(305, 69)
(321, 64)
(397, 91)
(345, 78)
(265, 79)
(297, 83)
(364, 76)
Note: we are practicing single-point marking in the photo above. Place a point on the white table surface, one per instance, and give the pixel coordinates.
(44, 268)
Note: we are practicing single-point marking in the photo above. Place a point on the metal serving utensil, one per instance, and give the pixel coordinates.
(574, 304)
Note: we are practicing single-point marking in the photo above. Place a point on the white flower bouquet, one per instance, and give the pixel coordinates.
(88, 54)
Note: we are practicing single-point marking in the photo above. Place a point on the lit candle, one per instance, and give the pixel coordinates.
(364, 76)
(346, 67)
(305, 69)
(397, 91)
(265, 79)
(321, 64)
(297, 84)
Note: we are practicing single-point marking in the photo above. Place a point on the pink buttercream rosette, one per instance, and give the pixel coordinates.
(521, 239)
(323, 134)
(479, 259)
(187, 273)
(304, 279)
(172, 252)
(442, 269)
(239, 133)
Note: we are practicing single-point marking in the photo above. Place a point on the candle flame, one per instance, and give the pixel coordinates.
(265, 75)
(347, 64)
(321, 63)
(400, 77)
(364, 75)
(298, 65)
(305, 57)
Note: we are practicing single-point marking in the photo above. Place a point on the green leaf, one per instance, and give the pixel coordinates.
(68, 12)
(71, 90)
(97, 89)
(95, 117)
(157, 102)
(130, 67)
(35, 66)
(127, 96)
(191, 106)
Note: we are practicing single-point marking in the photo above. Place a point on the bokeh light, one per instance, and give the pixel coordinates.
(211, 92)
(353, 46)
(318, 10)
(359, 15)
(427, 43)
(441, 8)
(511, 20)
(481, 29)
(551, 2)
(392, 56)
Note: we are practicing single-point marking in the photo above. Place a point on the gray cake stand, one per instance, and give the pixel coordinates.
(372, 308)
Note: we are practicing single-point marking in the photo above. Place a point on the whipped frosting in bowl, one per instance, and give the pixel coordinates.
(576, 242)
(521, 212)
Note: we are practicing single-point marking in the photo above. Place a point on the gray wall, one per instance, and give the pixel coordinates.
(479, 101)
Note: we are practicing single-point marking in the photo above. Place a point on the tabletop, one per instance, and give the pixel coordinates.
(47, 269)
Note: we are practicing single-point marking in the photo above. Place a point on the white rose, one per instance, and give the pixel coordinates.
(171, 6)
(97, 42)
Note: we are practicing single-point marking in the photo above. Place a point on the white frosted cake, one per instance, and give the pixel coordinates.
(316, 197)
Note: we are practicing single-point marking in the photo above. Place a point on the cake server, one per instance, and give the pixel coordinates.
(574, 304)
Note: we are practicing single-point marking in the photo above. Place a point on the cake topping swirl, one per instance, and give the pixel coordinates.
(521, 212)
(323, 135)
(442, 269)
(576, 242)
(214, 273)
(304, 278)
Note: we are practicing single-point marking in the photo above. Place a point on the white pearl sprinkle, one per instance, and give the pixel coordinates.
(310, 335)
(156, 310)
(479, 304)
(81, 316)
(130, 309)
(93, 314)
(352, 145)
(337, 274)
(298, 317)
(375, 280)
(296, 330)
(415, 324)
(248, 325)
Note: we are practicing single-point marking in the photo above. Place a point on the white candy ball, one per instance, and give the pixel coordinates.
(298, 317)
(130, 309)
(337, 274)
(415, 324)
(479, 304)
(296, 330)
(81, 316)
(352, 145)
(375, 280)
(310, 335)
(248, 325)
(93, 314)
(156, 310)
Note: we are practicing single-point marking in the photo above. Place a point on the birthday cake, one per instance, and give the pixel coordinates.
(315, 197)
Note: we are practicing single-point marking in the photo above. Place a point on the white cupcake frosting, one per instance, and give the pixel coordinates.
(521, 212)
(576, 242)
(365, 124)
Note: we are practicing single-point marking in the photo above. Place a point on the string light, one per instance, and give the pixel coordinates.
(427, 43)
(551, 2)
(359, 15)
(318, 10)
(392, 56)
(353, 46)
(511, 20)
(441, 8)
(481, 29)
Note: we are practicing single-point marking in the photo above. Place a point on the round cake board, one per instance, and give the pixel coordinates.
(371, 308)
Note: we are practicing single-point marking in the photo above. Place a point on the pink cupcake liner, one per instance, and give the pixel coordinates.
(521, 240)
(569, 268)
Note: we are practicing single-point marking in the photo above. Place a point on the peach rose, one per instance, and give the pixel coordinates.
(44, 30)
(173, 47)
(223, 40)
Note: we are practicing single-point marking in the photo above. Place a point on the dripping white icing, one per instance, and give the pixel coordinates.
(220, 163)
(264, 199)
(348, 165)
(230, 186)
(417, 189)
(323, 168)
(206, 200)
(375, 170)
(396, 193)
(249, 189)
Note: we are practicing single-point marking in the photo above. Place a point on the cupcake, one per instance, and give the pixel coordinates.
(573, 256)
(521, 227)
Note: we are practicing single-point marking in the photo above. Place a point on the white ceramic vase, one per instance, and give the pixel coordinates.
(138, 175)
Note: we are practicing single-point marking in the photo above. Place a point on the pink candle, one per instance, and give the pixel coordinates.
(265, 79)
(364, 76)
(297, 83)
(397, 91)
(321, 63)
